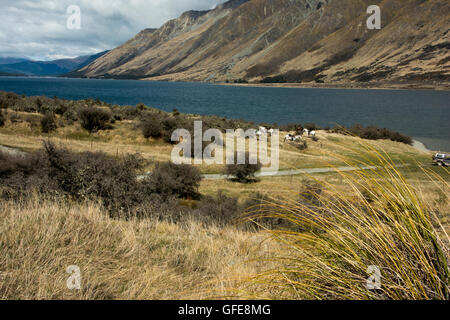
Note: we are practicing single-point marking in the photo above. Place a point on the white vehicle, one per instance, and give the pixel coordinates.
(442, 159)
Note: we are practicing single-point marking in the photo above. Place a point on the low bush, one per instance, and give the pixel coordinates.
(21, 174)
(220, 210)
(94, 119)
(48, 123)
(125, 112)
(151, 127)
(311, 126)
(79, 176)
(14, 118)
(243, 172)
(2, 119)
(302, 145)
(292, 127)
(170, 124)
(88, 176)
(141, 106)
(374, 133)
(172, 180)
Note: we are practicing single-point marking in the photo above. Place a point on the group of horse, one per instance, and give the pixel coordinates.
(295, 138)
(289, 137)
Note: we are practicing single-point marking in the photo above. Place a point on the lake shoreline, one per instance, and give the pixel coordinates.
(351, 86)
(417, 113)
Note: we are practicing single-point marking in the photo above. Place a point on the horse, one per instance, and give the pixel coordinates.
(288, 137)
(263, 129)
(259, 133)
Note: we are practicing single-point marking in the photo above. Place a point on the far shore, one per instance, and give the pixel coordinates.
(350, 86)
(310, 85)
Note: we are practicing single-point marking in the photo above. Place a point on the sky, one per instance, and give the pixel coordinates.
(38, 29)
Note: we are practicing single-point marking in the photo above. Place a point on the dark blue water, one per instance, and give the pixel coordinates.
(424, 115)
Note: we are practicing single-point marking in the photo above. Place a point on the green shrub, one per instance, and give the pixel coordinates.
(94, 119)
(243, 172)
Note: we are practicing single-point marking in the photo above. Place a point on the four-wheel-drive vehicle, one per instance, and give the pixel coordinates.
(442, 159)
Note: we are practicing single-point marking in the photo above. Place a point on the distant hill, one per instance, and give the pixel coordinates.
(46, 68)
(10, 60)
(7, 74)
(303, 41)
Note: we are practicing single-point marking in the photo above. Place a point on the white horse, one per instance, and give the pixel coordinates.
(312, 134)
(263, 129)
(288, 137)
(306, 131)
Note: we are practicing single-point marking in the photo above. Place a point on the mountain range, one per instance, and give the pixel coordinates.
(19, 66)
(295, 41)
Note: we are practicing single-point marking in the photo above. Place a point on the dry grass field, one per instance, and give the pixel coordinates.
(397, 218)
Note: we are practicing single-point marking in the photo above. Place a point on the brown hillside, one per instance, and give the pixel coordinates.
(293, 41)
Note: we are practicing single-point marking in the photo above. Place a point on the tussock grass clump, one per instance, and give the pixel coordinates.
(334, 238)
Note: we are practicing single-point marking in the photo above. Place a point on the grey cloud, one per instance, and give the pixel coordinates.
(37, 29)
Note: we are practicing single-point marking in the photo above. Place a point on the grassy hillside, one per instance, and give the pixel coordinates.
(307, 236)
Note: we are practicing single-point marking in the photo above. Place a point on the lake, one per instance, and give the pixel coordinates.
(424, 115)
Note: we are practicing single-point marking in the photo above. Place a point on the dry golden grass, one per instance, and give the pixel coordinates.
(407, 223)
(120, 259)
(147, 259)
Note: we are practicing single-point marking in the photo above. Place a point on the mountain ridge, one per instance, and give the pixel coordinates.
(289, 41)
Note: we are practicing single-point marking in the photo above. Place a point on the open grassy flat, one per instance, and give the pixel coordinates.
(125, 137)
(331, 150)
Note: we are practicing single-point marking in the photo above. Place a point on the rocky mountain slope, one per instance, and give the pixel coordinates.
(305, 41)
